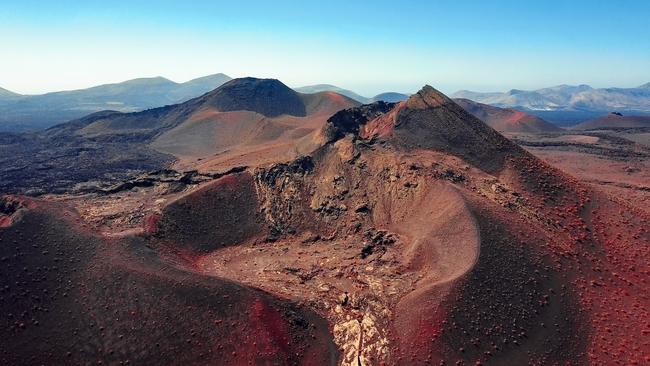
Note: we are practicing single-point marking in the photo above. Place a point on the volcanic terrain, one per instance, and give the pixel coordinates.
(245, 122)
(305, 229)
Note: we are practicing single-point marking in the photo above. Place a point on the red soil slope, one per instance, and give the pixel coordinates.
(71, 297)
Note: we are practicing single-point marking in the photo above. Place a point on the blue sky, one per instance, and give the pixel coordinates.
(368, 46)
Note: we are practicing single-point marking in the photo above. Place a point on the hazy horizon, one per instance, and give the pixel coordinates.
(325, 83)
(499, 46)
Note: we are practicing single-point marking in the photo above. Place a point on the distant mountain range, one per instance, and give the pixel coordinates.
(567, 103)
(31, 112)
(562, 105)
(391, 97)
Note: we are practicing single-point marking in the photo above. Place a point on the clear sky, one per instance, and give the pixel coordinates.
(367, 46)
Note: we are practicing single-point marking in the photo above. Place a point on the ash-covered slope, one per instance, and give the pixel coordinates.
(507, 119)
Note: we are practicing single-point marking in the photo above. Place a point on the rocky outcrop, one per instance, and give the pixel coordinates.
(174, 180)
(350, 120)
(280, 193)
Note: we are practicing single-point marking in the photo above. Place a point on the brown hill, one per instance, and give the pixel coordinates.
(268, 97)
(250, 120)
(265, 97)
(613, 121)
(507, 119)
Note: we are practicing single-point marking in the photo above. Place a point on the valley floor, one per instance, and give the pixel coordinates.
(615, 162)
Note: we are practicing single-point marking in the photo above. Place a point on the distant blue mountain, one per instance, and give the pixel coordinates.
(386, 97)
(32, 112)
(567, 104)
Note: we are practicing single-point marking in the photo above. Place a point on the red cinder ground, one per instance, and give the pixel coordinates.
(71, 297)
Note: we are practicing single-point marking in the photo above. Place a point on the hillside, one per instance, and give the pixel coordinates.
(507, 119)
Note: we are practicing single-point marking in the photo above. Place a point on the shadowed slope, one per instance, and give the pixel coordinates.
(221, 214)
(71, 297)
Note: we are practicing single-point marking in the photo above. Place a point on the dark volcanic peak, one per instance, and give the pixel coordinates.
(269, 97)
(428, 97)
(432, 120)
(427, 120)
